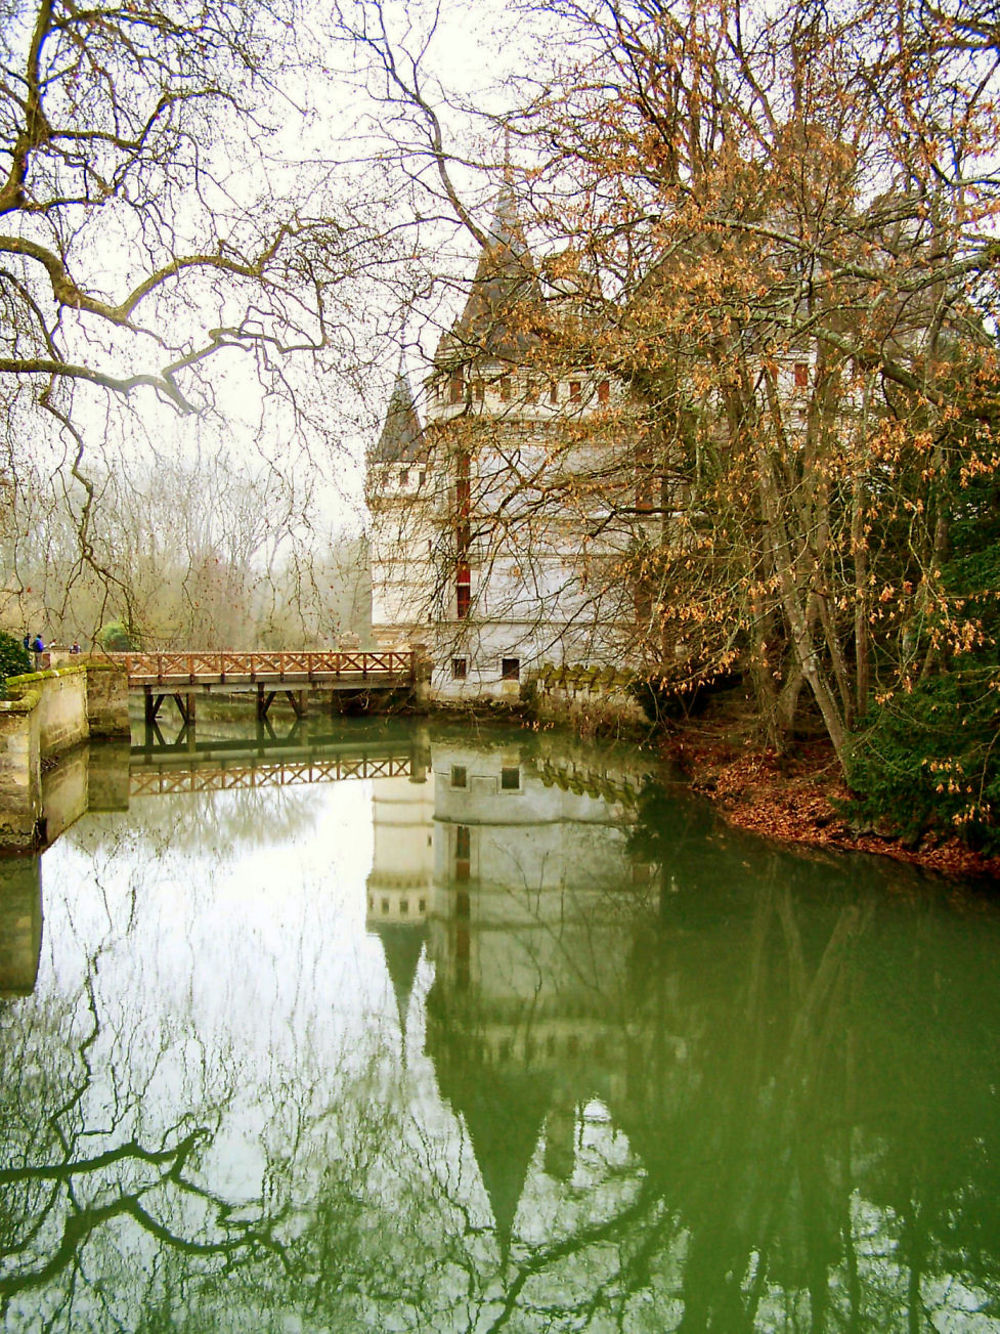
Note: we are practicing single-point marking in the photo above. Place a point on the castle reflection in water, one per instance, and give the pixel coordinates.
(518, 878)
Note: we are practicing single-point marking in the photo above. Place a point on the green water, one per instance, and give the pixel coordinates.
(509, 1038)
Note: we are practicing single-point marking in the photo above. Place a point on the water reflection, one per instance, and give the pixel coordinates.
(513, 1038)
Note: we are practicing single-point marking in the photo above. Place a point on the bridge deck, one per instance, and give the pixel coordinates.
(333, 670)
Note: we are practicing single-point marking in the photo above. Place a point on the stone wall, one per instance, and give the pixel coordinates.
(62, 708)
(20, 770)
(107, 699)
(592, 700)
(46, 714)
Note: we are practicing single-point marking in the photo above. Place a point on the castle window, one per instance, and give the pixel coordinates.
(459, 669)
(422, 905)
(510, 779)
(574, 390)
(457, 388)
(505, 388)
(463, 592)
(603, 392)
(404, 478)
(553, 392)
(463, 841)
(801, 375)
(459, 776)
(404, 907)
(385, 907)
(510, 669)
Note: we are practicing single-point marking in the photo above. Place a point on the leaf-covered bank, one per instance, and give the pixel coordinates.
(801, 797)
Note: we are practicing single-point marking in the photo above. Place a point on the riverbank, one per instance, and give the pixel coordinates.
(796, 798)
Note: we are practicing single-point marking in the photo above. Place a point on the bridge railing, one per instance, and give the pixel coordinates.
(309, 665)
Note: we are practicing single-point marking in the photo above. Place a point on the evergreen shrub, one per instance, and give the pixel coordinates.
(15, 660)
(115, 637)
(930, 760)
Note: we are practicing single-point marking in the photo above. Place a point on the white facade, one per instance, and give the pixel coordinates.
(481, 541)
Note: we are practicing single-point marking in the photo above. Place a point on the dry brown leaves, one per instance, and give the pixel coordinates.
(791, 799)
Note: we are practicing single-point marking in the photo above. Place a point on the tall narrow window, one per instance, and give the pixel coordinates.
(574, 391)
(463, 590)
(553, 392)
(457, 388)
(801, 375)
(478, 390)
(463, 530)
(505, 388)
(603, 392)
(459, 669)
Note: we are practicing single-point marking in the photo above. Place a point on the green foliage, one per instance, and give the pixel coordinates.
(115, 637)
(930, 759)
(14, 660)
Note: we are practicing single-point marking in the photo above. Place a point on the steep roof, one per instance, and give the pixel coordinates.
(496, 318)
(401, 434)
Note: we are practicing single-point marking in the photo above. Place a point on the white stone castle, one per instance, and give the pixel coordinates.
(485, 545)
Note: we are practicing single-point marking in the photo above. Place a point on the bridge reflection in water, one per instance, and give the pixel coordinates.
(627, 1071)
(299, 757)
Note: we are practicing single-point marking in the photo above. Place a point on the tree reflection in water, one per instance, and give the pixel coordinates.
(645, 1075)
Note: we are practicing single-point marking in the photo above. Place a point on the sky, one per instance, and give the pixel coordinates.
(329, 141)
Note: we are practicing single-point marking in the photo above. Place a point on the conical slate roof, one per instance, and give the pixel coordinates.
(401, 434)
(497, 315)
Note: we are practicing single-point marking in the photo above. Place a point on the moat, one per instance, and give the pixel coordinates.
(374, 1026)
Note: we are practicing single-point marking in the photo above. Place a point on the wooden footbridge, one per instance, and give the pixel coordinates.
(182, 676)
